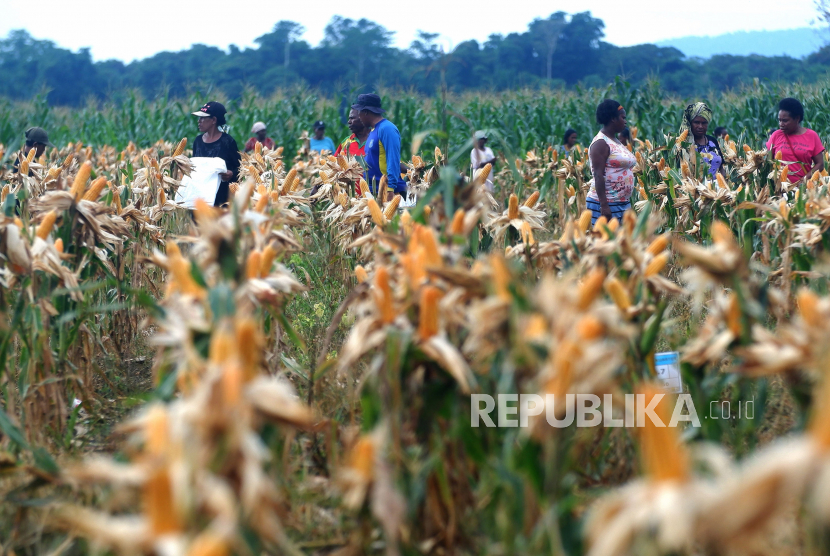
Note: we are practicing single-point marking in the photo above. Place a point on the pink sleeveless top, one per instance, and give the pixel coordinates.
(619, 178)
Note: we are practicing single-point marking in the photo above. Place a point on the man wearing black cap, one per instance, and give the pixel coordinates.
(36, 138)
(320, 142)
(214, 143)
(383, 147)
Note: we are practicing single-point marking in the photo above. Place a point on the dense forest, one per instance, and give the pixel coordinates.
(560, 51)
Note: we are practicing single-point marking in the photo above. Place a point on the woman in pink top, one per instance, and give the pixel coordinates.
(797, 144)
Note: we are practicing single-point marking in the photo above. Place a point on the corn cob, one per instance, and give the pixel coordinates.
(590, 328)
(590, 288)
(501, 277)
(179, 150)
(261, 203)
(46, 225)
(658, 245)
(657, 264)
(361, 274)
(513, 207)
(426, 239)
(208, 543)
(721, 233)
(664, 458)
(618, 294)
(253, 264)
(59, 245)
(384, 295)
(81, 178)
(533, 199)
(95, 189)
(457, 225)
(390, 209)
(808, 307)
(428, 312)
(377, 214)
(584, 221)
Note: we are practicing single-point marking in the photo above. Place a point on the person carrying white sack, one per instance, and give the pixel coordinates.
(214, 143)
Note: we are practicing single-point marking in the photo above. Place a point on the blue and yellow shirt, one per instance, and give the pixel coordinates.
(383, 150)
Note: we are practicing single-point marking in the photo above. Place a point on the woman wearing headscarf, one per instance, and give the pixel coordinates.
(213, 142)
(696, 120)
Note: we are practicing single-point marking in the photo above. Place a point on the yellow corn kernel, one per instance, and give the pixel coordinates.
(501, 277)
(222, 347)
(428, 314)
(383, 293)
(664, 457)
(721, 233)
(658, 245)
(288, 184)
(426, 238)
(483, 174)
(81, 178)
(457, 225)
(95, 189)
(253, 264)
(527, 234)
(533, 199)
(377, 214)
(618, 294)
(778, 156)
(390, 209)
(208, 543)
(590, 327)
(247, 335)
(584, 221)
(59, 245)
(407, 223)
(267, 261)
(513, 207)
(590, 288)
(657, 264)
(261, 203)
(46, 225)
(808, 307)
(179, 150)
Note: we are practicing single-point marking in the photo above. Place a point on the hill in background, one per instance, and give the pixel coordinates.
(797, 43)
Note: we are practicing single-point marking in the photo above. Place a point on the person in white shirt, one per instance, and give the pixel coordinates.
(482, 156)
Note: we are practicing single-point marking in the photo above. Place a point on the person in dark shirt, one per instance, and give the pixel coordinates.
(213, 142)
(36, 138)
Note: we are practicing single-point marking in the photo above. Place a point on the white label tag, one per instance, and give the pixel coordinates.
(667, 365)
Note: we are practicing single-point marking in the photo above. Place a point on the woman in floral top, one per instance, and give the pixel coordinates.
(611, 164)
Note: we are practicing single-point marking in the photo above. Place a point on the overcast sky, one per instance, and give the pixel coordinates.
(131, 30)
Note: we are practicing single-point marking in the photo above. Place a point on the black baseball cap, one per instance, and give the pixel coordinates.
(211, 110)
(319, 123)
(370, 102)
(38, 135)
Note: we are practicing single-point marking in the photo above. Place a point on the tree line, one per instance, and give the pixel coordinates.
(560, 51)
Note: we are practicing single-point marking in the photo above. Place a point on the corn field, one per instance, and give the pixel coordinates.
(294, 374)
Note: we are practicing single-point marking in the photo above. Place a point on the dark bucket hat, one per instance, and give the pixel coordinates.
(370, 102)
(38, 135)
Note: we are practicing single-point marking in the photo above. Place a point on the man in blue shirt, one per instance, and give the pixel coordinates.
(320, 142)
(383, 147)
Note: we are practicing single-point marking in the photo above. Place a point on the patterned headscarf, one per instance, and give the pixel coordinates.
(693, 111)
